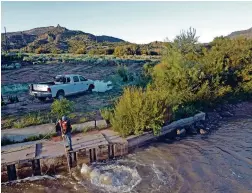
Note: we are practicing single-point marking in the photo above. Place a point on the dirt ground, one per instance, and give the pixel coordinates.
(86, 102)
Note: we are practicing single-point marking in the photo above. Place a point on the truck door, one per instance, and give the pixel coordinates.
(68, 87)
(84, 83)
(76, 84)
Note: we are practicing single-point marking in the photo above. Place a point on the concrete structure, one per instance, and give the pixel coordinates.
(91, 147)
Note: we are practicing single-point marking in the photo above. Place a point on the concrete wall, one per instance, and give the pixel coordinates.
(137, 140)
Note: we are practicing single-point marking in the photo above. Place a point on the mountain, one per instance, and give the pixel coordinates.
(54, 39)
(243, 33)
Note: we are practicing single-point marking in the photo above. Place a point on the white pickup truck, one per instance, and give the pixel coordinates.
(63, 85)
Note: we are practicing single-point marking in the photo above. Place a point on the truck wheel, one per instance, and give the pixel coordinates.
(42, 99)
(60, 95)
(91, 87)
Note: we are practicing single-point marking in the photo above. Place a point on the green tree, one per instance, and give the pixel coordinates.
(62, 107)
(187, 41)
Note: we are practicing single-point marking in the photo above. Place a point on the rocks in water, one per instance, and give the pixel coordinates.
(203, 131)
(95, 173)
(192, 130)
(181, 132)
(85, 169)
(226, 114)
(106, 179)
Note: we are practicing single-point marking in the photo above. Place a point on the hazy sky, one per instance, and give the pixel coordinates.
(139, 22)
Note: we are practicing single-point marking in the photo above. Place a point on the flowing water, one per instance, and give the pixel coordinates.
(219, 162)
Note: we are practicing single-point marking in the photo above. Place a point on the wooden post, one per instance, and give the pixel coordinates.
(11, 171)
(90, 156)
(94, 154)
(36, 167)
(72, 158)
(113, 151)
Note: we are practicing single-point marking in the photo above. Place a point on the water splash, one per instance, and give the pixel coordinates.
(34, 178)
(115, 178)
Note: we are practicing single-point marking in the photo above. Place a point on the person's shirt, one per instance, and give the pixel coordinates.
(66, 126)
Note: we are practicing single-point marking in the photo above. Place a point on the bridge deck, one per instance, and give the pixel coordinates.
(49, 149)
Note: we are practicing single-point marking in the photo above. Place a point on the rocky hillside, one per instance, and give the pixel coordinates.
(54, 39)
(243, 33)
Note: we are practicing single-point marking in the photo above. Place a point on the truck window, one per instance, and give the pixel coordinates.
(82, 78)
(60, 79)
(68, 79)
(75, 79)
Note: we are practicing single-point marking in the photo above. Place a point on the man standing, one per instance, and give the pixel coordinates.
(66, 128)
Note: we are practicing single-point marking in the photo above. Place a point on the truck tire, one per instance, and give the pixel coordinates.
(90, 88)
(60, 95)
(42, 99)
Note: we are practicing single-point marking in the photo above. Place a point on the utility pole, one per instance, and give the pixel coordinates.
(6, 45)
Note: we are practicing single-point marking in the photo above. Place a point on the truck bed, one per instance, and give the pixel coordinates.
(42, 86)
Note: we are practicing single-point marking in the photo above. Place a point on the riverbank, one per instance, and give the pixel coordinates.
(217, 162)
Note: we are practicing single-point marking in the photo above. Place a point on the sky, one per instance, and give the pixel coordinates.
(136, 22)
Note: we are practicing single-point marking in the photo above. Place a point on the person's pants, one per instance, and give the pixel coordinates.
(69, 140)
(59, 133)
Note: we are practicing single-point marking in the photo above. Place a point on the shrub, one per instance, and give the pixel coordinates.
(137, 111)
(122, 71)
(8, 123)
(83, 119)
(107, 114)
(31, 119)
(62, 107)
(184, 111)
(6, 141)
(80, 51)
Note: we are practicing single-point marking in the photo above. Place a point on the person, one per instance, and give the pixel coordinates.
(64, 128)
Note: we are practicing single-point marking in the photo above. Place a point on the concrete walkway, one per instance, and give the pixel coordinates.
(19, 135)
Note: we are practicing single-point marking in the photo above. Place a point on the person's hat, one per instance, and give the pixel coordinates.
(64, 118)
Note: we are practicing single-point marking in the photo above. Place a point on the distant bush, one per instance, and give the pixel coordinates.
(12, 56)
(31, 119)
(80, 51)
(122, 71)
(61, 108)
(41, 50)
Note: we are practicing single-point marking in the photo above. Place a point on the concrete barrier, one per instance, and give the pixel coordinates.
(137, 140)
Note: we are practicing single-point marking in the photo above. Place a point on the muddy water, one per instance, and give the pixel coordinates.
(218, 162)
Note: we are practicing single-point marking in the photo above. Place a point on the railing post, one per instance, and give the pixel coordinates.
(36, 167)
(11, 171)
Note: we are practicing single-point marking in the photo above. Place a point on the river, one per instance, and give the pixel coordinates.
(220, 162)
